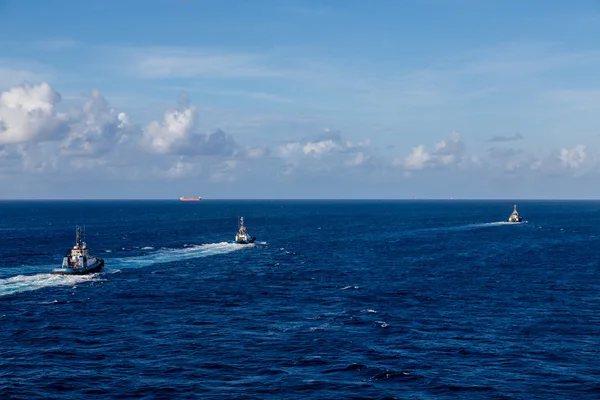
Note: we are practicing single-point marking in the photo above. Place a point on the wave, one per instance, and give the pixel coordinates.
(26, 283)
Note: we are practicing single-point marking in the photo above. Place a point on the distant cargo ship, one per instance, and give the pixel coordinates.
(190, 198)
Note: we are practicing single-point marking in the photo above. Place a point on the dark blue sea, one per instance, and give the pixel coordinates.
(335, 300)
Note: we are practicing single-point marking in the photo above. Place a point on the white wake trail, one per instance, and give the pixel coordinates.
(26, 283)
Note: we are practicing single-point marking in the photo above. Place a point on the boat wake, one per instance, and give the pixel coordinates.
(26, 283)
(499, 223)
(470, 226)
(172, 255)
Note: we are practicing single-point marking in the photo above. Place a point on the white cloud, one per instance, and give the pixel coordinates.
(172, 133)
(27, 113)
(329, 142)
(574, 157)
(417, 159)
(176, 134)
(445, 153)
(95, 128)
(92, 140)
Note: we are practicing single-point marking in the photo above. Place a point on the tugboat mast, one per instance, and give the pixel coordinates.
(78, 235)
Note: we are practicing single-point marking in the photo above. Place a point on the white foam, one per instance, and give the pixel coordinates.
(26, 283)
(170, 255)
(498, 223)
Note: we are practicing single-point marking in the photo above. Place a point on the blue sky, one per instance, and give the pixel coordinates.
(300, 99)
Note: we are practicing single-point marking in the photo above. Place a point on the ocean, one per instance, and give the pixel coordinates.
(335, 300)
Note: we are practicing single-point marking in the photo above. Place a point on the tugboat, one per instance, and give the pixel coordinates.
(514, 217)
(243, 237)
(78, 260)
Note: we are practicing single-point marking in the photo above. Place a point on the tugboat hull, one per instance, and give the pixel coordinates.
(79, 271)
(514, 217)
(244, 241)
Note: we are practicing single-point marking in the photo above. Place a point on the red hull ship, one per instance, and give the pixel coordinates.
(190, 198)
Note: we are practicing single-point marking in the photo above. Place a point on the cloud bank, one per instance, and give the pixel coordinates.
(89, 139)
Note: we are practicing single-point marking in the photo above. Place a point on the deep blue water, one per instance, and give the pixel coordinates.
(338, 300)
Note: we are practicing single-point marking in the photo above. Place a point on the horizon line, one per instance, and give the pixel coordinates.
(306, 199)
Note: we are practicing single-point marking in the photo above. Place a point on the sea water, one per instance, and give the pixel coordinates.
(335, 300)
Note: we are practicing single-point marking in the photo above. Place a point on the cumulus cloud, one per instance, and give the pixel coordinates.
(328, 142)
(574, 157)
(29, 157)
(37, 137)
(177, 134)
(514, 162)
(445, 153)
(511, 138)
(27, 114)
(417, 159)
(95, 129)
(326, 153)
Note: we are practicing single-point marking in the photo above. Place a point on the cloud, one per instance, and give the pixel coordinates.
(179, 170)
(328, 153)
(224, 171)
(520, 163)
(503, 153)
(28, 157)
(90, 140)
(417, 159)
(176, 134)
(27, 113)
(574, 157)
(516, 136)
(254, 152)
(359, 159)
(37, 139)
(329, 142)
(445, 153)
(95, 128)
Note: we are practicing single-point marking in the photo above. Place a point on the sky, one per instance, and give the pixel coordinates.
(299, 99)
